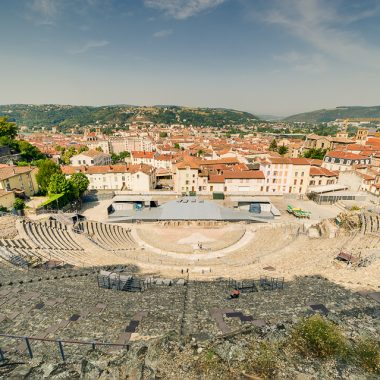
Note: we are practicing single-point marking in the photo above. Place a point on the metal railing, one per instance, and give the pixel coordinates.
(60, 342)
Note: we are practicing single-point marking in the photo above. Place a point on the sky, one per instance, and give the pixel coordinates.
(276, 57)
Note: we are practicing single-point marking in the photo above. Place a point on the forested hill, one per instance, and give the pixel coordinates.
(326, 115)
(69, 116)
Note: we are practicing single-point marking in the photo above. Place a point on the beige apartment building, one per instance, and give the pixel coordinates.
(285, 175)
(19, 178)
(7, 198)
(193, 177)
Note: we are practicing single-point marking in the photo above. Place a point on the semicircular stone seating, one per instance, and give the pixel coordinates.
(108, 236)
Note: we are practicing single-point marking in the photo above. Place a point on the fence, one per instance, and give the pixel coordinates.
(59, 342)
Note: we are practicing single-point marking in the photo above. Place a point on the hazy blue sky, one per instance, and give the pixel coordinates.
(263, 56)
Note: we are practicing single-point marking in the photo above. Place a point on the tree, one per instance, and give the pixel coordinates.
(46, 169)
(7, 129)
(99, 149)
(60, 185)
(200, 152)
(67, 154)
(80, 182)
(163, 134)
(176, 146)
(283, 150)
(19, 204)
(29, 152)
(273, 145)
(83, 148)
(120, 157)
(318, 154)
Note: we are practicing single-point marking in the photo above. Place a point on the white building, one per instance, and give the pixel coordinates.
(91, 158)
(139, 178)
(342, 161)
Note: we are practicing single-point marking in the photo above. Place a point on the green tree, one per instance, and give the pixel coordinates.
(273, 145)
(46, 169)
(163, 134)
(83, 148)
(99, 149)
(19, 204)
(60, 185)
(7, 129)
(80, 182)
(29, 152)
(120, 157)
(176, 146)
(68, 153)
(282, 150)
(318, 154)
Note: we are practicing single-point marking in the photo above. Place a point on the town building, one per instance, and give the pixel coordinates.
(342, 161)
(91, 158)
(21, 179)
(139, 177)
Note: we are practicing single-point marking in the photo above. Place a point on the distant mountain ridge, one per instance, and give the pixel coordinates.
(69, 116)
(326, 115)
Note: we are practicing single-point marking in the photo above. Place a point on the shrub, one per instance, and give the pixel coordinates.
(366, 354)
(265, 361)
(315, 336)
(19, 204)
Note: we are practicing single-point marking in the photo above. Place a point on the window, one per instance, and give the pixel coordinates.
(295, 182)
(302, 174)
(296, 174)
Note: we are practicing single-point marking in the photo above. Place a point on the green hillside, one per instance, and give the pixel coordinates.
(69, 116)
(326, 115)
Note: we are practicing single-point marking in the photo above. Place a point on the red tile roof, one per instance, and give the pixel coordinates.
(345, 155)
(138, 154)
(319, 171)
(11, 171)
(247, 174)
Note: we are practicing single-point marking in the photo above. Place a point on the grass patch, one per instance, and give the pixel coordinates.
(315, 336)
(366, 354)
(50, 200)
(265, 360)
